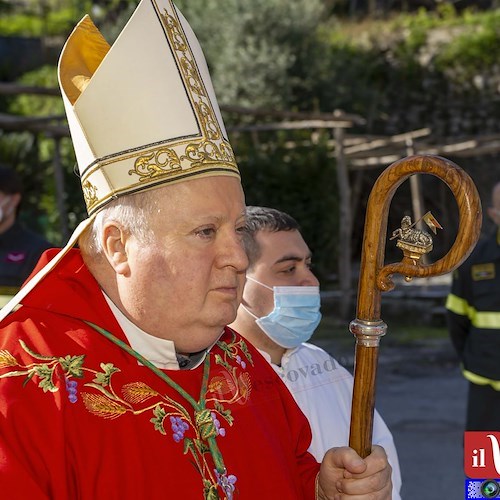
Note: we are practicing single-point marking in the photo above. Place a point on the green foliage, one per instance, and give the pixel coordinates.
(253, 48)
(473, 52)
(300, 181)
(38, 105)
(53, 22)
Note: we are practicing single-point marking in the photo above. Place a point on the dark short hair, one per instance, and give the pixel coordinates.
(10, 182)
(264, 219)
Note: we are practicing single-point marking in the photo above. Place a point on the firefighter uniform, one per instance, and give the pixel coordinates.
(473, 314)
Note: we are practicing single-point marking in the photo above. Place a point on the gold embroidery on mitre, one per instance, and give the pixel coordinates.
(89, 193)
(165, 161)
(213, 148)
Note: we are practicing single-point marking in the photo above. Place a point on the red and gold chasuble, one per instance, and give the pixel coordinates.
(80, 417)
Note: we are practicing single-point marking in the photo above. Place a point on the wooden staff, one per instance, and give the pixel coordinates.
(376, 278)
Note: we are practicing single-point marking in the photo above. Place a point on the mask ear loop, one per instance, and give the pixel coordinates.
(259, 283)
(249, 312)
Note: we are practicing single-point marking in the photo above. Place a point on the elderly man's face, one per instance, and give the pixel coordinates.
(187, 285)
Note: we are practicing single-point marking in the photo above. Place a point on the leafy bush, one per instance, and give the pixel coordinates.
(300, 181)
(55, 22)
(254, 48)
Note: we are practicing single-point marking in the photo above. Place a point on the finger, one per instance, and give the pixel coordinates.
(378, 485)
(375, 462)
(345, 458)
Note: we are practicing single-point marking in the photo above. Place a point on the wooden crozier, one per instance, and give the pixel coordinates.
(376, 278)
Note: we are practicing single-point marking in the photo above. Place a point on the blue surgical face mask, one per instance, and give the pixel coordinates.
(295, 315)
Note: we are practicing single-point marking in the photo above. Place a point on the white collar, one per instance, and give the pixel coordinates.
(161, 352)
(284, 359)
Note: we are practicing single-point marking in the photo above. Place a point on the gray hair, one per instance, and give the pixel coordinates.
(132, 212)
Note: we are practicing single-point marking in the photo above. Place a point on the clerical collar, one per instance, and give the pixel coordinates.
(160, 352)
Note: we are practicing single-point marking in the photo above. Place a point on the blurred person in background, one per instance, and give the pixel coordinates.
(279, 312)
(473, 316)
(20, 247)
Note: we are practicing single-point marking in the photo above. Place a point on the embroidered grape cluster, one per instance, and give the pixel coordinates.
(71, 387)
(220, 430)
(179, 427)
(241, 362)
(226, 482)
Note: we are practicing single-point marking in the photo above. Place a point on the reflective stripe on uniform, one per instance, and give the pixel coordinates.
(488, 320)
(479, 319)
(479, 380)
(458, 305)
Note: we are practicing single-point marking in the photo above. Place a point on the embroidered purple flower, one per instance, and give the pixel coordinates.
(226, 482)
(240, 362)
(71, 388)
(179, 427)
(220, 430)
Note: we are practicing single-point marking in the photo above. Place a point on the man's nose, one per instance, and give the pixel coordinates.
(309, 279)
(233, 253)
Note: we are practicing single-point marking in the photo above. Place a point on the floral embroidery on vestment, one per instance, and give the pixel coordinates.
(170, 417)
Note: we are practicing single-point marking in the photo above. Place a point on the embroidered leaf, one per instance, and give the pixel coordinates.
(137, 392)
(35, 354)
(72, 365)
(14, 374)
(220, 361)
(28, 378)
(45, 374)
(102, 406)
(158, 419)
(189, 446)
(201, 446)
(6, 359)
(108, 370)
(223, 345)
(226, 414)
(245, 351)
(210, 491)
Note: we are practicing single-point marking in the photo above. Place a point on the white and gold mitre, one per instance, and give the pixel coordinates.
(142, 112)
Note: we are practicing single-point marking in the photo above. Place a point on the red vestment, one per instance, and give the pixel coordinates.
(81, 418)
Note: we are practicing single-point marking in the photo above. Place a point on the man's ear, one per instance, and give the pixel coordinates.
(114, 240)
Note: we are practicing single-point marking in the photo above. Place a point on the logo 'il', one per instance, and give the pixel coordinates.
(482, 454)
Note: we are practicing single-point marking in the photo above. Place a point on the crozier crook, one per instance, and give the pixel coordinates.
(376, 278)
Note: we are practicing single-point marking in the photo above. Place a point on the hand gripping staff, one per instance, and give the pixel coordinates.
(376, 278)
